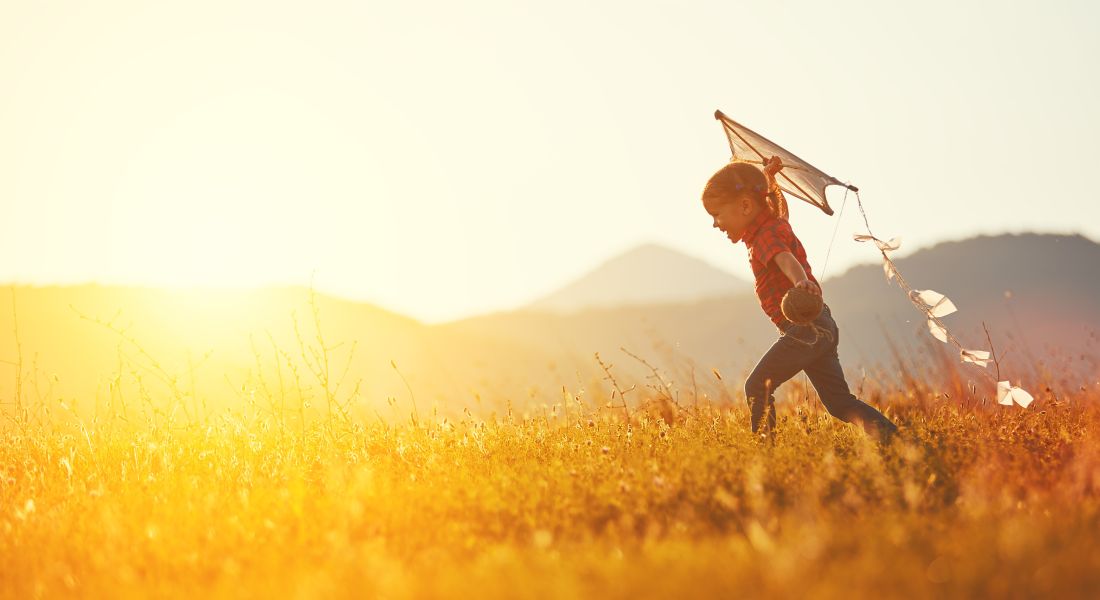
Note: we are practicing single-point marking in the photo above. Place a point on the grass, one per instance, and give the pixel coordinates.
(988, 502)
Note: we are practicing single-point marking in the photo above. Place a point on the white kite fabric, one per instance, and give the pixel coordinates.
(798, 177)
(808, 183)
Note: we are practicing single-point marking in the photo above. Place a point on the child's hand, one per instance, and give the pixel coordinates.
(809, 286)
(773, 165)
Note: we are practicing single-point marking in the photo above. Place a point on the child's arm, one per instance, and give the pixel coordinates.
(794, 271)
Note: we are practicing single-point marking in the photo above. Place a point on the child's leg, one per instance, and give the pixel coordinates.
(782, 361)
(828, 379)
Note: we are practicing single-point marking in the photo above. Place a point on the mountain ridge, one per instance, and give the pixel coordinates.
(644, 274)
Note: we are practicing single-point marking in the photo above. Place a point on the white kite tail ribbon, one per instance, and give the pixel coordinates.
(889, 269)
(893, 244)
(937, 331)
(978, 357)
(934, 302)
(1008, 393)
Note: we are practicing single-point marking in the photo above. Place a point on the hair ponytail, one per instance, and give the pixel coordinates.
(777, 202)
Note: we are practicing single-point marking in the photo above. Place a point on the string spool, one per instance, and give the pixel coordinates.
(800, 306)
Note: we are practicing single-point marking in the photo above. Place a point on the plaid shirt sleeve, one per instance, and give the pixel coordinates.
(773, 238)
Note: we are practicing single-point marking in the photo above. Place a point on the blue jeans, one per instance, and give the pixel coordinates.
(813, 349)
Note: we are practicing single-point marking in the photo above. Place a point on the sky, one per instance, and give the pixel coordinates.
(454, 158)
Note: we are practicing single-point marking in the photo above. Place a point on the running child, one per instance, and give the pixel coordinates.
(747, 205)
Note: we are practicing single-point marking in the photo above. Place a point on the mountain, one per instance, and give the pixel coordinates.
(646, 274)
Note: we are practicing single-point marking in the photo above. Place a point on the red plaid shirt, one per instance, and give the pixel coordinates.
(766, 237)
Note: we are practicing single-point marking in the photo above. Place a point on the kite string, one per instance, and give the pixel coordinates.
(825, 265)
(832, 240)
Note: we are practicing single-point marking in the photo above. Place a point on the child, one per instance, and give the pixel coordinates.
(748, 206)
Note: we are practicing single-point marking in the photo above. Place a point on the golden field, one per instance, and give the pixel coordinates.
(575, 502)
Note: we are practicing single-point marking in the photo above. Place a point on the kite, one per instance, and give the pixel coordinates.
(808, 183)
(798, 177)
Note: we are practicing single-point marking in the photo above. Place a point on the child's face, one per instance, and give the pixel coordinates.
(731, 215)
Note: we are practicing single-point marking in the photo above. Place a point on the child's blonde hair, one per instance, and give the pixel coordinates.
(739, 177)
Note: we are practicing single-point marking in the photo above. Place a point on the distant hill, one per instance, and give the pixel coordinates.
(647, 274)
